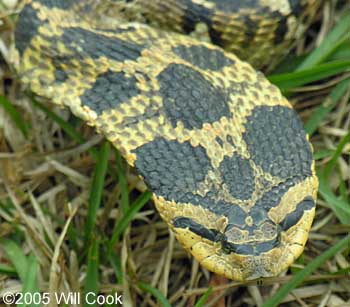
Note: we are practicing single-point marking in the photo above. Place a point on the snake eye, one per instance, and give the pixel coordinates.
(243, 249)
(293, 218)
(218, 236)
(225, 249)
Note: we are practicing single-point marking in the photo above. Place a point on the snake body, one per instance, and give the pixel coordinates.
(224, 153)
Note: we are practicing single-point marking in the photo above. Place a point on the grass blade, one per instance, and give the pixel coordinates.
(340, 208)
(16, 256)
(288, 81)
(320, 113)
(333, 161)
(203, 299)
(297, 279)
(26, 267)
(123, 183)
(14, 115)
(344, 192)
(96, 191)
(156, 293)
(91, 280)
(342, 53)
(323, 154)
(334, 39)
(30, 283)
(6, 269)
(126, 218)
(117, 266)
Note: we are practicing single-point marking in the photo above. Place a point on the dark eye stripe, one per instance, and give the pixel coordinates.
(293, 218)
(210, 234)
(253, 248)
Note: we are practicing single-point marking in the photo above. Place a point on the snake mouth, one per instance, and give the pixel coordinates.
(247, 258)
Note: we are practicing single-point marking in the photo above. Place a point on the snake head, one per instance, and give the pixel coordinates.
(261, 242)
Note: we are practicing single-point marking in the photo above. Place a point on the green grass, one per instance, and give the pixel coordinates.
(155, 292)
(124, 221)
(341, 208)
(328, 105)
(16, 256)
(30, 283)
(203, 299)
(298, 278)
(96, 191)
(335, 39)
(15, 115)
(334, 158)
(26, 267)
(123, 183)
(7, 269)
(91, 283)
(289, 81)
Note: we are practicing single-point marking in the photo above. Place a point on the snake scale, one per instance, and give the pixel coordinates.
(226, 156)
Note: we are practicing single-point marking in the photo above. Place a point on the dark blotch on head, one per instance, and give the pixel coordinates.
(235, 214)
(234, 5)
(109, 90)
(273, 197)
(238, 175)
(99, 45)
(190, 98)
(172, 169)
(27, 27)
(277, 142)
(293, 218)
(203, 57)
(66, 4)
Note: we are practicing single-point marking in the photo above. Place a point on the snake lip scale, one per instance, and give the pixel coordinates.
(225, 155)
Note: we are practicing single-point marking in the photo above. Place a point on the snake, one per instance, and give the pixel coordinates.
(224, 153)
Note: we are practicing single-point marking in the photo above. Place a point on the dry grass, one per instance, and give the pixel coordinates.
(48, 192)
